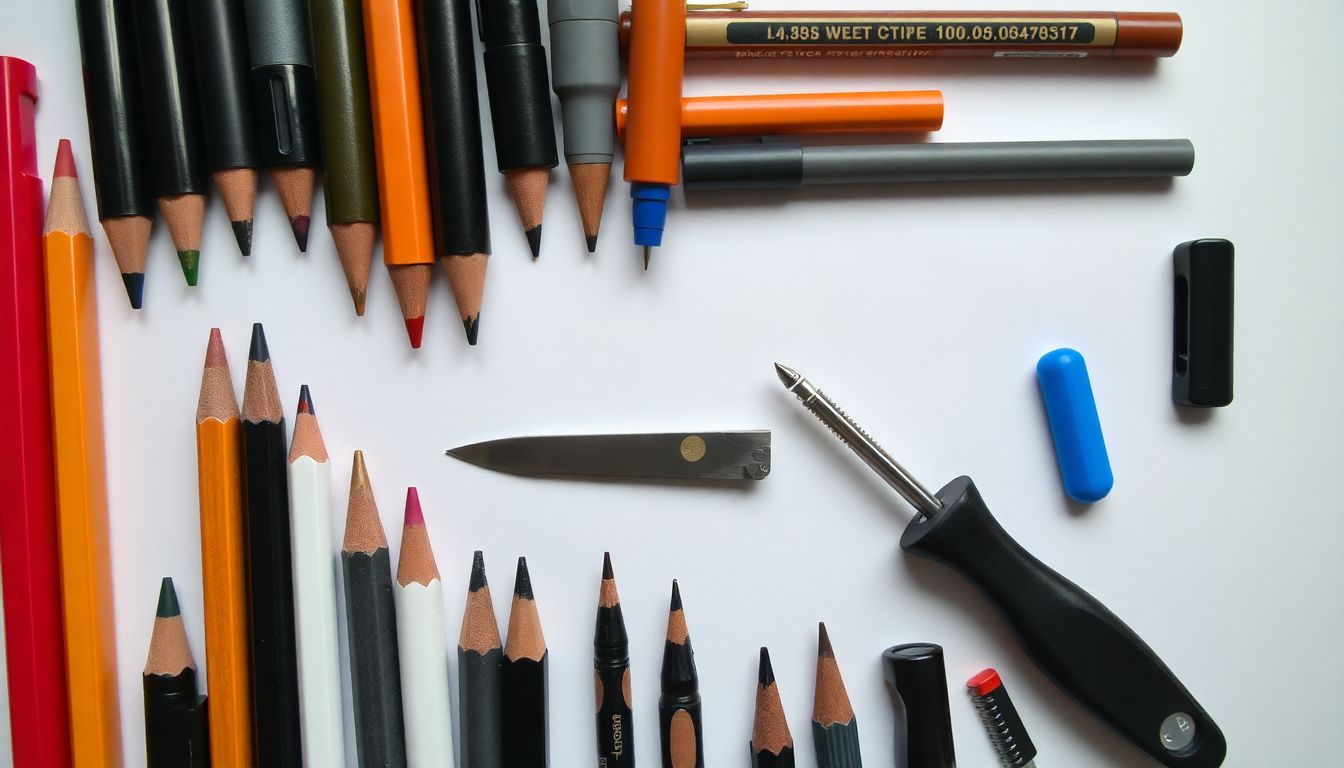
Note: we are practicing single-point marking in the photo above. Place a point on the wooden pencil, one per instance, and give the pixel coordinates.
(177, 734)
(771, 742)
(223, 561)
(480, 660)
(611, 676)
(275, 673)
(835, 730)
(426, 702)
(315, 633)
(81, 473)
(371, 623)
(526, 743)
(680, 728)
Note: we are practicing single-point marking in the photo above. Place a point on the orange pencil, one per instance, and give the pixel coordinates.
(218, 461)
(399, 147)
(796, 113)
(81, 474)
(653, 148)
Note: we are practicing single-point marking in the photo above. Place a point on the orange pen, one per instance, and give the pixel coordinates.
(795, 113)
(399, 146)
(653, 150)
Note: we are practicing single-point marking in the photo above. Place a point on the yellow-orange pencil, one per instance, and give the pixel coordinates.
(81, 473)
(218, 461)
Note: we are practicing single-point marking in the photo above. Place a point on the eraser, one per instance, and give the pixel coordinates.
(1201, 372)
(1072, 410)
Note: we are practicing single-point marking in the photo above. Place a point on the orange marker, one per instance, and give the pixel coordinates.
(399, 145)
(653, 149)
(81, 474)
(795, 113)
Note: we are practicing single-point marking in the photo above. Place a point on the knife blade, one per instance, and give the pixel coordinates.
(742, 455)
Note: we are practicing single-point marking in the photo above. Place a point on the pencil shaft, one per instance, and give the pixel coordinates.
(315, 625)
(518, 85)
(615, 725)
(172, 111)
(481, 697)
(284, 88)
(837, 745)
(375, 671)
(219, 37)
(349, 174)
(767, 759)
(526, 742)
(176, 729)
(681, 733)
(424, 675)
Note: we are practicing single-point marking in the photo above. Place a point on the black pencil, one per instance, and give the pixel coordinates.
(371, 624)
(480, 683)
(275, 664)
(679, 724)
(526, 743)
(176, 732)
(771, 742)
(835, 730)
(611, 674)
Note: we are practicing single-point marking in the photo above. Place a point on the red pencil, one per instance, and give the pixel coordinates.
(29, 559)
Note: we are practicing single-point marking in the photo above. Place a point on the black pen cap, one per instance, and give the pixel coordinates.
(758, 165)
(1201, 374)
(917, 682)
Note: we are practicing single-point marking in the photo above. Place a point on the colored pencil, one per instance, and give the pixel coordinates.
(526, 660)
(399, 147)
(219, 40)
(680, 728)
(771, 742)
(219, 448)
(480, 668)
(349, 175)
(371, 623)
(835, 730)
(117, 139)
(172, 115)
(315, 633)
(426, 701)
(275, 666)
(177, 734)
(29, 545)
(611, 674)
(81, 473)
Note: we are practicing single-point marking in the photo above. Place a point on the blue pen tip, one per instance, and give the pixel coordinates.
(649, 208)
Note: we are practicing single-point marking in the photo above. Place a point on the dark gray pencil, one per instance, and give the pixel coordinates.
(371, 617)
(835, 730)
(480, 660)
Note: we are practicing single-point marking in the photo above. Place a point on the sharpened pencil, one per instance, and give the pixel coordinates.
(611, 675)
(371, 623)
(771, 742)
(480, 676)
(177, 734)
(526, 719)
(680, 727)
(835, 730)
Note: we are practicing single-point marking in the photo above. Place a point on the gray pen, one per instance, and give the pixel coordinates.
(586, 75)
(788, 165)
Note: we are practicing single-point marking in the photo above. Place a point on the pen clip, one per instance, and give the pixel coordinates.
(739, 5)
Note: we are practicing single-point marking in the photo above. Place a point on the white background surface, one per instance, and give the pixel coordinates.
(922, 310)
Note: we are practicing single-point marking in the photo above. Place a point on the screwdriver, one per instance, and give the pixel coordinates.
(1075, 640)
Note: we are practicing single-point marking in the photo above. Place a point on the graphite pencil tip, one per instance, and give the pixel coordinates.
(534, 240)
(242, 232)
(766, 673)
(676, 597)
(787, 376)
(259, 352)
(478, 581)
(648, 252)
(607, 572)
(592, 243)
(65, 161)
(299, 224)
(824, 649)
(306, 401)
(191, 265)
(473, 328)
(168, 606)
(522, 583)
(135, 288)
(414, 514)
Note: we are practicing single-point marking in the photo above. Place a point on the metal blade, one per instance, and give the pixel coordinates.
(741, 455)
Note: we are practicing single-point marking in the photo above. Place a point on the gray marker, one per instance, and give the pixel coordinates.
(789, 165)
(586, 75)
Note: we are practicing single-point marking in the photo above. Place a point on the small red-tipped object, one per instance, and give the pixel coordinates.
(214, 351)
(65, 161)
(414, 515)
(415, 328)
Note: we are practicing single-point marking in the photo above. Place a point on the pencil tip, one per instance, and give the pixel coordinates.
(473, 328)
(607, 572)
(648, 252)
(415, 329)
(414, 514)
(787, 376)
(676, 597)
(534, 240)
(360, 298)
(766, 674)
(824, 649)
(168, 606)
(135, 287)
(477, 572)
(522, 582)
(259, 352)
(306, 401)
(191, 265)
(214, 351)
(592, 242)
(300, 226)
(65, 161)
(359, 473)
(242, 232)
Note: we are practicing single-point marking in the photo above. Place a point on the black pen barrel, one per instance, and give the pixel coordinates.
(518, 82)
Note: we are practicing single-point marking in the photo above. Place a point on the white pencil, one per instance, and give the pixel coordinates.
(423, 647)
(315, 592)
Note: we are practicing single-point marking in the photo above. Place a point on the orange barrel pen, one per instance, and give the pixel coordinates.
(797, 113)
(399, 147)
(219, 446)
(81, 473)
(653, 149)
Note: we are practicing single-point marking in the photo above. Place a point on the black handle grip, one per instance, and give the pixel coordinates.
(1072, 637)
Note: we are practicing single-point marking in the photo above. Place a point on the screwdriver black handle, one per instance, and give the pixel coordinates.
(1071, 636)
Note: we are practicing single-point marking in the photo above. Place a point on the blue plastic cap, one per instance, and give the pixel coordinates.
(650, 212)
(1079, 447)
